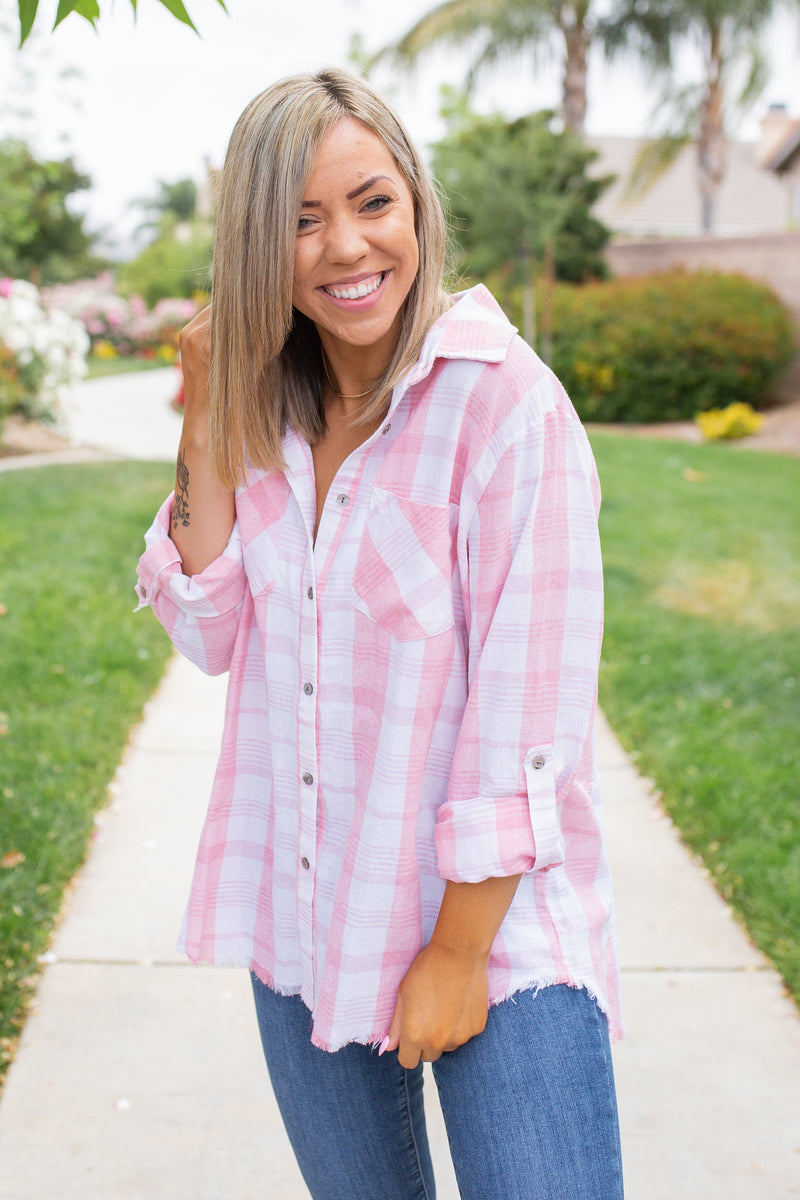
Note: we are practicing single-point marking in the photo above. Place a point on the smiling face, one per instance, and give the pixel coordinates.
(356, 253)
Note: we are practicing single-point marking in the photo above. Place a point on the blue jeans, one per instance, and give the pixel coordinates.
(529, 1105)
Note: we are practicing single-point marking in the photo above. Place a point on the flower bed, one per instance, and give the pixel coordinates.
(124, 328)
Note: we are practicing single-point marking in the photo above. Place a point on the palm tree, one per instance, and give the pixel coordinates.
(174, 205)
(503, 29)
(727, 35)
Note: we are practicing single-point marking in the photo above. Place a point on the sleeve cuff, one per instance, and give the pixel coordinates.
(215, 590)
(483, 837)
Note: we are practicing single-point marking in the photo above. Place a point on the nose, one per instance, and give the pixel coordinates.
(346, 242)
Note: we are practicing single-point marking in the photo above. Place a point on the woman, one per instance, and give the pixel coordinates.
(384, 526)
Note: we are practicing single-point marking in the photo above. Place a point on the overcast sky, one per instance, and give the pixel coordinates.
(152, 102)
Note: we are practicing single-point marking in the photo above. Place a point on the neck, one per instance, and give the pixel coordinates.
(351, 372)
(348, 387)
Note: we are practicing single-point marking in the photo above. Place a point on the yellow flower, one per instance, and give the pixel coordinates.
(104, 349)
(736, 421)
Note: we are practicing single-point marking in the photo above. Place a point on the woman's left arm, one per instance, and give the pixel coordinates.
(444, 997)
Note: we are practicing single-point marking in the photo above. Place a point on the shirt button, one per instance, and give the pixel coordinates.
(310, 593)
(538, 762)
(308, 778)
(342, 498)
(308, 688)
(305, 864)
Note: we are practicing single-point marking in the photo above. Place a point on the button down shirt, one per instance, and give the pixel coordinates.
(411, 695)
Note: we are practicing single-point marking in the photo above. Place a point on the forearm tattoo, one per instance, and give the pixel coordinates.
(180, 507)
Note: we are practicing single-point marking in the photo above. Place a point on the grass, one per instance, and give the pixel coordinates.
(701, 660)
(76, 667)
(98, 367)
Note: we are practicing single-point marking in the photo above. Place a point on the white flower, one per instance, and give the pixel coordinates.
(58, 341)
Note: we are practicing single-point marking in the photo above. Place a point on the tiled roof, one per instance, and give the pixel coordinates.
(750, 199)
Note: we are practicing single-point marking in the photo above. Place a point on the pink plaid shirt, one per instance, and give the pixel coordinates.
(411, 696)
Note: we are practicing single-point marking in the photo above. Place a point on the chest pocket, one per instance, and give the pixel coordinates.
(404, 569)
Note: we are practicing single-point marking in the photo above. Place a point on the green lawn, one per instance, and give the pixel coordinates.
(76, 667)
(701, 659)
(98, 367)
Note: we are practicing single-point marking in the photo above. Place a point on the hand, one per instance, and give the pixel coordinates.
(442, 1002)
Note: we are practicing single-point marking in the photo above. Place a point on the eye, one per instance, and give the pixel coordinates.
(376, 203)
(304, 224)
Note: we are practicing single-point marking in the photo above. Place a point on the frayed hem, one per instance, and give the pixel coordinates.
(535, 984)
(372, 1042)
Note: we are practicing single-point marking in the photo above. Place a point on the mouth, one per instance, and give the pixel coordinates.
(356, 291)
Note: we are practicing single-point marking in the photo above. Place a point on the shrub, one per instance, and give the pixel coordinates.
(665, 347)
(169, 267)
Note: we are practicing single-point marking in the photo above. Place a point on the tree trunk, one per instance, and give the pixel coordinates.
(711, 142)
(529, 305)
(549, 276)
(577, 39)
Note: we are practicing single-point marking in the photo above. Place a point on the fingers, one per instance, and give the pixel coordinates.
(413, 1050)
(194, 339)
(392, 1039)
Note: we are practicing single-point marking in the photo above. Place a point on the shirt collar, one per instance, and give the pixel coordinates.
(474, 328)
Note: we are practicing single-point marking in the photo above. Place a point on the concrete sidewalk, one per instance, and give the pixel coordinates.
(141, 1078)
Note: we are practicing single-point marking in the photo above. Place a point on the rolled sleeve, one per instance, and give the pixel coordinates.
(481, 838)
(199, 612)
(534, 600)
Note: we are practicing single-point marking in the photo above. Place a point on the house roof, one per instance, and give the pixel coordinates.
(750, 200)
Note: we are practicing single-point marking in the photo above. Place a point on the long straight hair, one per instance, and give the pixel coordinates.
(266, 369)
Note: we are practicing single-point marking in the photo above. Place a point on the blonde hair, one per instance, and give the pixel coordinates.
(266, 363)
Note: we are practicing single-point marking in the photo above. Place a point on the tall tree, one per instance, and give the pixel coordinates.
(505, 29)
(174, 204)
(726, 38)
(40, 238)
(520, 197)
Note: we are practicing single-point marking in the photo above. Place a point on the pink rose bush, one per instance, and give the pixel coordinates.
(120, 327)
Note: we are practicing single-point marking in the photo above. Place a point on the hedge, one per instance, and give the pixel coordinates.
(665, 347)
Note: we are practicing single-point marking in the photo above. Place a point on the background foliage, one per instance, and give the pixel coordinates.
(41, 239)
(516, 189)
(170, 267)
(665, 347)
(90, 11)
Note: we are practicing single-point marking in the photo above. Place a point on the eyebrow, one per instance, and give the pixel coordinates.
(362, 187)
(365, 186)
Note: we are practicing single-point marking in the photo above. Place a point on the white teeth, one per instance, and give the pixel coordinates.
(356, 293)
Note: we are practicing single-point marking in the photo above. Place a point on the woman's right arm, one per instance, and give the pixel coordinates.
(203, 513)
